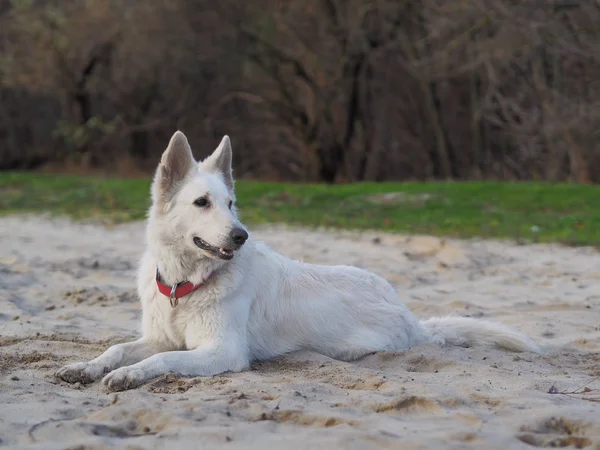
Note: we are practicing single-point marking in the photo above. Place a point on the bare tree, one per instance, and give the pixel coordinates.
(320, 90)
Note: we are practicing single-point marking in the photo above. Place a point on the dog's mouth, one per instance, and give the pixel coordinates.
(218, 252)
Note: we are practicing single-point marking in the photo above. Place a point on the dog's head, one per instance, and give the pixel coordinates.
(195, 202)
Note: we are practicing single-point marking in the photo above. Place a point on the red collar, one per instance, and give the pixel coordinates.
(176, 291)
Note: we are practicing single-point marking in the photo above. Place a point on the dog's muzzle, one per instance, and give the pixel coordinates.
(237, 237)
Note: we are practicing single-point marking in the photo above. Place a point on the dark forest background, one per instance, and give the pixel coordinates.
(312, 90)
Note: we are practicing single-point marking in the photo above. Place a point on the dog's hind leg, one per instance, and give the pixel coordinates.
(116, 356)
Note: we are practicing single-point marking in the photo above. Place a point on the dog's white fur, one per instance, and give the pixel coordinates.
(259, 304)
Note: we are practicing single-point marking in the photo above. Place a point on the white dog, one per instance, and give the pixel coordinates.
(214, 300)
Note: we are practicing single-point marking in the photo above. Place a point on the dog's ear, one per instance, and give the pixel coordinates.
(176, 164)
(220, 162)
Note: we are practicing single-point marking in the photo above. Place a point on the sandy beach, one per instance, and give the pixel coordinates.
(68, 292)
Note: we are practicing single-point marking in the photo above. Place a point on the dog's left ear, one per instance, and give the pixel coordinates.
(176, 164)
(220, 162)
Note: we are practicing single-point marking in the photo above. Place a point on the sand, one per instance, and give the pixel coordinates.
(67, 292)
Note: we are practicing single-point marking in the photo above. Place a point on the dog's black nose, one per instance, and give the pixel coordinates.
(238, 236)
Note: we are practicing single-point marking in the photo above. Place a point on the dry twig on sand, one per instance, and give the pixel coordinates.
(581, 393)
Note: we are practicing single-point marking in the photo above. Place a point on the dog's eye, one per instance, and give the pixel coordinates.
(202, 202)
(230, 203)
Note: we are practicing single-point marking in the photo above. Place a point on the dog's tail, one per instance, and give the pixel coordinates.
(467, 331)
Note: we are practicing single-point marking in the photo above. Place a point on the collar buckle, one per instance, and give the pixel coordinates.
(175, 291)
(172, 299)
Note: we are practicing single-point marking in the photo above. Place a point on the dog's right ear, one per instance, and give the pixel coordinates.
(176, 164)
(220, 162)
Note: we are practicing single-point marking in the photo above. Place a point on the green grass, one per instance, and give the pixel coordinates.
(564, 213)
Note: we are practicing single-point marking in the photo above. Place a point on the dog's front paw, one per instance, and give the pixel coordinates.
(124, 378)
(79, 372)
